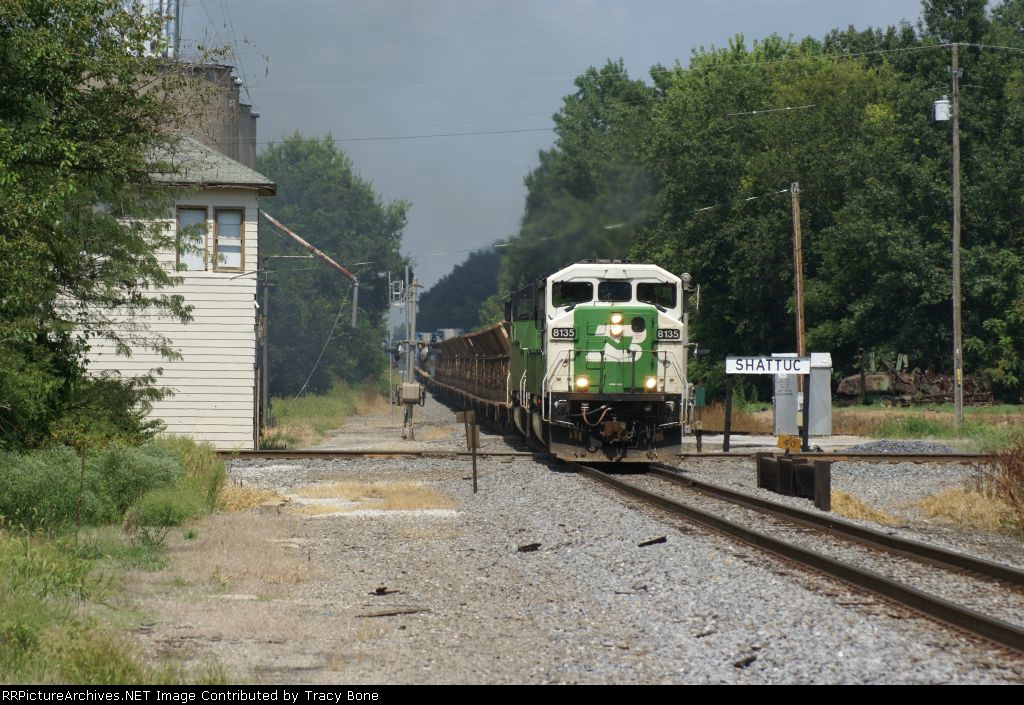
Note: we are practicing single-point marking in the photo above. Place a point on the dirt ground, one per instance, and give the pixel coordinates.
(258, 592)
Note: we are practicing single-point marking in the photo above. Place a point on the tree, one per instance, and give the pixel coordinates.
(454, 301)
(82, 108)
(322, 198)
(714, 148)
(593, 189)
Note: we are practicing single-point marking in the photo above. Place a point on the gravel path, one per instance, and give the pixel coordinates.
(539, 578)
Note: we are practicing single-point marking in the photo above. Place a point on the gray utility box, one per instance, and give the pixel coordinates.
(820, 410)
(410, 393)
(784, 403)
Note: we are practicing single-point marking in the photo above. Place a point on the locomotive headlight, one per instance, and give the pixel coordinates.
(615, 327)
(582, 384)
(651, 384)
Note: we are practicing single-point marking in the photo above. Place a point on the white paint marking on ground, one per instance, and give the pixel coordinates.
(436, 513)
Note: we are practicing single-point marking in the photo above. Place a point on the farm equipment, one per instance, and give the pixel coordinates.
(898, 385)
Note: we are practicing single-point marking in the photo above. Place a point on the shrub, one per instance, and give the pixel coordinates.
(203, 469)
(158, 511)
(39, 489)
(1004, 478)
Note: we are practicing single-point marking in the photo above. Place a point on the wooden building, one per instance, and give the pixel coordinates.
(215, 383)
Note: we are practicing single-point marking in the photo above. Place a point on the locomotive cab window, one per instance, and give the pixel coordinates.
(571, 293)
(657, 293)
(522, 305)
(614, 290)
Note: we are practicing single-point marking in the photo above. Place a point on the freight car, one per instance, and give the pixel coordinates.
(590, 363)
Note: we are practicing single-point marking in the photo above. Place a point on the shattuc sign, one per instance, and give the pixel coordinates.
(767, 365)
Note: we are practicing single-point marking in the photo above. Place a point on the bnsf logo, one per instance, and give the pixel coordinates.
(669, 334)
(569, 333)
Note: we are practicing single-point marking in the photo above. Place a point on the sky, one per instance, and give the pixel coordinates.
(373, 73)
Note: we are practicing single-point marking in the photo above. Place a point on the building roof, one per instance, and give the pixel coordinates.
(187, 162)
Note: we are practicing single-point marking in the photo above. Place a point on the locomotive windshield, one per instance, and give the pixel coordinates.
(571, 293)
(657, 293)
(614, 290)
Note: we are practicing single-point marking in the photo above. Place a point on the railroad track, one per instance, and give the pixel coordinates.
(937, 608)
(308, 453)
(836, 456)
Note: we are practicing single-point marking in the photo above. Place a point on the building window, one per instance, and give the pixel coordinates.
(228, 242)
(191, 242)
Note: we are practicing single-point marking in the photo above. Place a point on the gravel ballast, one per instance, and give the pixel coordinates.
(545, 576)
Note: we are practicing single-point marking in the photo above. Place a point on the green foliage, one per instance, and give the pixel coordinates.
(976, 433)
(48, 633)
(50, 581)
(594, 189)
(707, 157)
(204, 471)
(323, 199)
(77, 205)
(158, 511)
(454, 301)
(39, 489)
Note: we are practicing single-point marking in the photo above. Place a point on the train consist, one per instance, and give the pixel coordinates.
(590, 362)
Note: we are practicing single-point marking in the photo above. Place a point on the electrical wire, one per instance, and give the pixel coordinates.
(337, 318)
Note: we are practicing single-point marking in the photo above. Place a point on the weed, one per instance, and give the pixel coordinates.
(301, 421)
(845, 504)
(158, 511)
(238, 498)
(1003, 477)
(967, 508)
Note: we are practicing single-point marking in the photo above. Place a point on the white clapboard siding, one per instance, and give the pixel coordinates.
(192, 409)
(214, 382)
(186, 373)
(228, 439)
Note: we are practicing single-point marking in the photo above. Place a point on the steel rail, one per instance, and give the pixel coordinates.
(851, 532)
(853, 457)
(960, 617)
(308, 454)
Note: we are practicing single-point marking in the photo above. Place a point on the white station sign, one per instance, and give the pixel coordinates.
(767, 365)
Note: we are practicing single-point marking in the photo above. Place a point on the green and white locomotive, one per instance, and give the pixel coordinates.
(590, 362)
(597, 361)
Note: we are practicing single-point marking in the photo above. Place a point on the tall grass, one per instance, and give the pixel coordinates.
(54, 577)
(985, 429)
(1004, 478)
(39, 490)
(302, 421)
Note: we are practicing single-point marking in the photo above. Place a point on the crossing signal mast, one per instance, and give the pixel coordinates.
(408, 393)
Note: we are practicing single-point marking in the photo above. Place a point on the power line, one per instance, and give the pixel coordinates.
(739, 202)
(413, 137)
(234, 55)
(1019, 50)
(771, 110)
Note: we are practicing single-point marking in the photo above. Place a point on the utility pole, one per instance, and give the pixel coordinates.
(958, 361)
(265, 329)
(798, 278)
